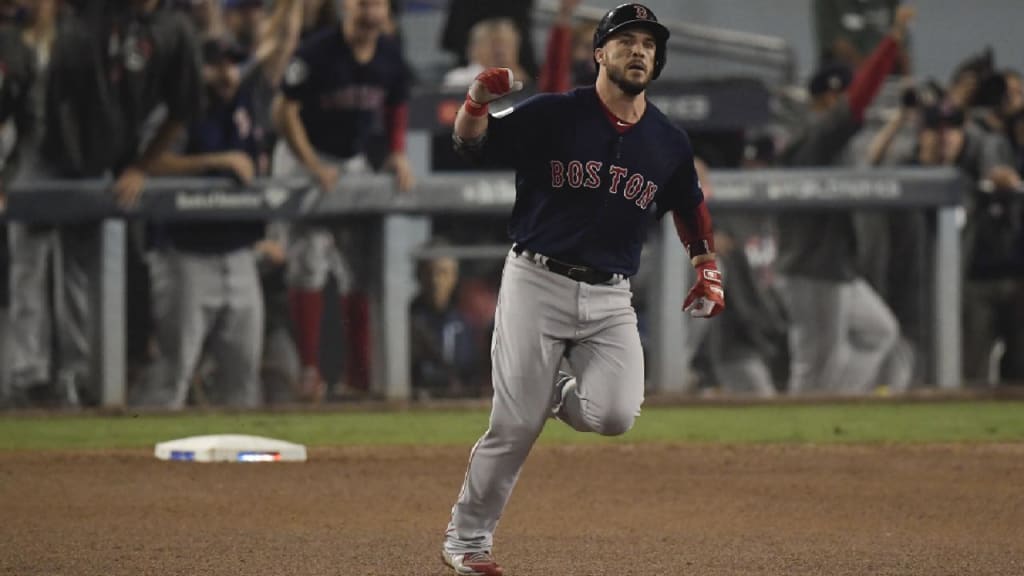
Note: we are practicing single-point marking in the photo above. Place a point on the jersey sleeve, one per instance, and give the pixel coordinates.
(398, 91)
(182, 82)
(683, 191)
(296, 84)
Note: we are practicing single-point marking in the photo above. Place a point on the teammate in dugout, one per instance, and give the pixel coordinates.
(344, 86)
(841, 332)
(593, 167)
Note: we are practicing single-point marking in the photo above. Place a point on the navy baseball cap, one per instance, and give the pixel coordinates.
(218, 51)
(833, 77)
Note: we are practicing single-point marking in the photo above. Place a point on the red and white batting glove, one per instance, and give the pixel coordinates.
(706, 298)
(490, 85)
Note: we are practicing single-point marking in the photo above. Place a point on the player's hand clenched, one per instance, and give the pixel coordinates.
(492, 84)
(706, 298)
(326, 177)
(404, 176)
(239, 164)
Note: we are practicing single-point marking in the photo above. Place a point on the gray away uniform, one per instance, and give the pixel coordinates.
(841, 331)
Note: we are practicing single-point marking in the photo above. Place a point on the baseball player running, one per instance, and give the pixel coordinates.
(593, 166)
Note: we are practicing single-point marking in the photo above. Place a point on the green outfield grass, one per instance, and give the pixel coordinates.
(977, 421)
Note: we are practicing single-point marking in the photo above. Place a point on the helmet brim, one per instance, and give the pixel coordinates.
(658, 30)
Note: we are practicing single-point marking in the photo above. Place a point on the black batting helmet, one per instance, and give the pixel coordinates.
(629, 15)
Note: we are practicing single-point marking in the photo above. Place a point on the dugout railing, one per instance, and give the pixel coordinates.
(402, 224)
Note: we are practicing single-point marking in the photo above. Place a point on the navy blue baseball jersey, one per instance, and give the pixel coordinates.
(224, 126)
(343, 101)
(586, 193)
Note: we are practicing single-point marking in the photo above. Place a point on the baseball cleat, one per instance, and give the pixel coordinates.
(472, 563)
(565, 383)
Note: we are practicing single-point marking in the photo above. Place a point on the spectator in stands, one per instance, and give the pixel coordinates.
(562, 69)
(848, 30)
(493, 43)
(1014, 102)
(993, 299)
(463, 14)
(342, 87)
(442, 347)
(964, 84)
(840, 329)
(214, 300)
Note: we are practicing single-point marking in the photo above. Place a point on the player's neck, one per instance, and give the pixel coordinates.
(362, 42)
(626, 107)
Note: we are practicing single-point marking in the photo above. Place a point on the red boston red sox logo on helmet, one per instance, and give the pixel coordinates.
(641, 12)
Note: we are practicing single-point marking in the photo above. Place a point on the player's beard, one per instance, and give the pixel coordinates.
(631, 87)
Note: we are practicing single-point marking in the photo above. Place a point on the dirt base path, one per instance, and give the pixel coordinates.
(597, 510)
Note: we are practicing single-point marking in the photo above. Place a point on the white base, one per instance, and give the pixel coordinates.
(230, 448)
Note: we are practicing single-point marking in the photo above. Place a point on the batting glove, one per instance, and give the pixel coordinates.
(706, 298)
(490, 85)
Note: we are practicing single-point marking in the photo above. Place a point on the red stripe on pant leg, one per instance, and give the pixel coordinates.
(356, 307)
(306, 308)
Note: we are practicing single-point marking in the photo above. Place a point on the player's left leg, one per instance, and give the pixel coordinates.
(194, 297)
(608, 363)
(873, 335)
(237, 342)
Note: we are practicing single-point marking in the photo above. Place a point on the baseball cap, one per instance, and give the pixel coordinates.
(219, 50)
(831, 77)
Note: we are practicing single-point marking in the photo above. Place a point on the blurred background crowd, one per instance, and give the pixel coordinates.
(245, 314)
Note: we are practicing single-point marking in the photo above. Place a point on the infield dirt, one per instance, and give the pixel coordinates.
(598, 510)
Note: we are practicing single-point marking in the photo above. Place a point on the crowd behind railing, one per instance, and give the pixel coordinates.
(245, 313)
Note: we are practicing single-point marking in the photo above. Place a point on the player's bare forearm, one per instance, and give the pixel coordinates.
(166, 134)
(172, 164)
(879, 146)
(469, 127)
(289, 123)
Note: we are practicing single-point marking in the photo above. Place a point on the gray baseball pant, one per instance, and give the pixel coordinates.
(315, 251)
(207, 303)
(73, 251)
(839, 336)
(542, 318)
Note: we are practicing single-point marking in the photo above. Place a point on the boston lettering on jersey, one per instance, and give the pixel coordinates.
(586, 194)
(573, 176)
(343, 101)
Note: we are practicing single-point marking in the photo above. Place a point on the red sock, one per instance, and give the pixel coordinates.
(306, 308)
(356, 308)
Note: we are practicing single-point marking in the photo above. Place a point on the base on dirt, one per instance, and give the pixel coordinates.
(230, 448)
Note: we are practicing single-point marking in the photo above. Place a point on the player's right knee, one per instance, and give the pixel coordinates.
(615, 422)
